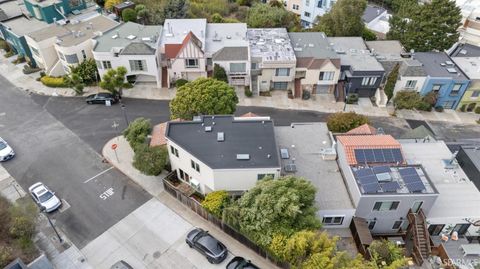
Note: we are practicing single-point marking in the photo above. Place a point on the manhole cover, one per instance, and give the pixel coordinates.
(157, 254)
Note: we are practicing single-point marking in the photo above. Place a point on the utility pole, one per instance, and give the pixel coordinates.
(43, 209)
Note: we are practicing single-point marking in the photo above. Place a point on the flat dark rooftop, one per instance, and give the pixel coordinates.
(242, 136)
(466, 50)
(473, 153)
(432, 63)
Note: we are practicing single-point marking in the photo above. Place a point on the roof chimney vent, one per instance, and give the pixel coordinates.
(208, 128)
(220, 136)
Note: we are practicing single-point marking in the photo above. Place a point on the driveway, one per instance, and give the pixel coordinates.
(153, 236)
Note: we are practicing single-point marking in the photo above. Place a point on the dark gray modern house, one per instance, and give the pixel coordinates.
(469, 159)
(361, 73)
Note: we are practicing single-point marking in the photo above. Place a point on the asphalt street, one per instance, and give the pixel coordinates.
(96, 195)
(94, 123)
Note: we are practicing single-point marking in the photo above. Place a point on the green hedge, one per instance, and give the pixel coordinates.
(150, 160)
(54, 82)
(215, 202)
(180, 82)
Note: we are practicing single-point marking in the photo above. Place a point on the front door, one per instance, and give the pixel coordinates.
(416, 206)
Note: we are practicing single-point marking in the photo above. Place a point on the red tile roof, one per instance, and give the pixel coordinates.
(249, 115)
(158, 134)
(352, 142)
(172, 50)
(363, 130)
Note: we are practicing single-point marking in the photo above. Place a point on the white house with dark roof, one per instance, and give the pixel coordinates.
(223, 152)
(133, 46)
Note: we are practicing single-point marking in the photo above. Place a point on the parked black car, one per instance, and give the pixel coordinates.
(241, 263)
(208, 245)
(101, 98)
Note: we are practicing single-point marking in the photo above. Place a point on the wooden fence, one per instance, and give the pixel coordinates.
(197, 208)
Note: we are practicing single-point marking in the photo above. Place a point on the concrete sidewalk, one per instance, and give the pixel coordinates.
(183, 216)
(278, 99)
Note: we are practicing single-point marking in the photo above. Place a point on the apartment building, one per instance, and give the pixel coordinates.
(228, 153)
(318, 66)
(134, 46)
(63, 44)
(311, 9)
(272, 59)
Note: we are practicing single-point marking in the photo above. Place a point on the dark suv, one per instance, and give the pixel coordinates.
(208, 245)
(101, 98)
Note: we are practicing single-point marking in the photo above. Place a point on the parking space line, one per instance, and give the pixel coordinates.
(99, 174)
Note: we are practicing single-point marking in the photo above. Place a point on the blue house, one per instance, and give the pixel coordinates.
(443, 77)
(51, 10)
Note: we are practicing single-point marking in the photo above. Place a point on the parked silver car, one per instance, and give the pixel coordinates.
(6, 152)
(44, 197)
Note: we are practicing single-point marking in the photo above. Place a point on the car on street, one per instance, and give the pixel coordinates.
(121, 265)
(44, 197)
(241, 263)
(207, 245)
(101, 98)
(6, 152)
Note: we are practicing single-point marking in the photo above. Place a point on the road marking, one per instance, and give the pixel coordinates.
(99, 174)
(3, 113)
(64, 206)
(106, 194)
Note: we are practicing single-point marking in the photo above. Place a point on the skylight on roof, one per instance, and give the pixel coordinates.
(451, 70)
(243, 157)
(131, 37)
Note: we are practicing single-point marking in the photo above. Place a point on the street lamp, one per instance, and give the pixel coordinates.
(124, 109)
(43, 209)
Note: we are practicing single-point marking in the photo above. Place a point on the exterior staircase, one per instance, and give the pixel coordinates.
(417, 230)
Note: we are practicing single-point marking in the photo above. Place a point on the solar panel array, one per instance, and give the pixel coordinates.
(378, 155)
(412, 180)
(369, 182)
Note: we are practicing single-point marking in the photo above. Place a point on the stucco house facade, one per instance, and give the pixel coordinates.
(133, 46)
(223, 152)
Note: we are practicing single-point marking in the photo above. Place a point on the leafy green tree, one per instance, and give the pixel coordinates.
(282, 206)
(114, 80)
(129, 14)
(142, 13)
(391, 81)
(342, 122)
(203, 96)
(150, 160)
(215, 202)
(219, 73)
(265, 16)
(275, 3)
(385, 254)
(368, 34)
(176, 9)
(136, 133)
(217, 18)
(410, 100)
(344, 19)
(427, 27)
(108, 4)
(87, 70)
(74, 81)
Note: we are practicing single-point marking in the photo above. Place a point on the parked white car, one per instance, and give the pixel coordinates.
(44, 197)
(6, 152)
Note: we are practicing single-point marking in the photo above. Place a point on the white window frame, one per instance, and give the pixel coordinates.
(173, 150)
(477, 92)
(333, 220)
(279, 73)
(396, 222)
(138, 65)
(456, 89)
(369, 81)
(386, 206)
(327, 75)
(107, 64)
(410, 84)
(436, 85)
(307, 14)
(187, 63)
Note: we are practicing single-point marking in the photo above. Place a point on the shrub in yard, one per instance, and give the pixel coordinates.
(219, 73)
(53, 82)
(22, 227)
(248, 92)
(431, 98)
(150, 160)
(137, 132)
(343, 122)
(407, 100)
(385, 252)
(180, 82)
(9, 54)
(477, 110)
(424, 106)
(463, 108)
(439, 108)
(352, 98)
(215, 202)
(305, 95)
(5, 256)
